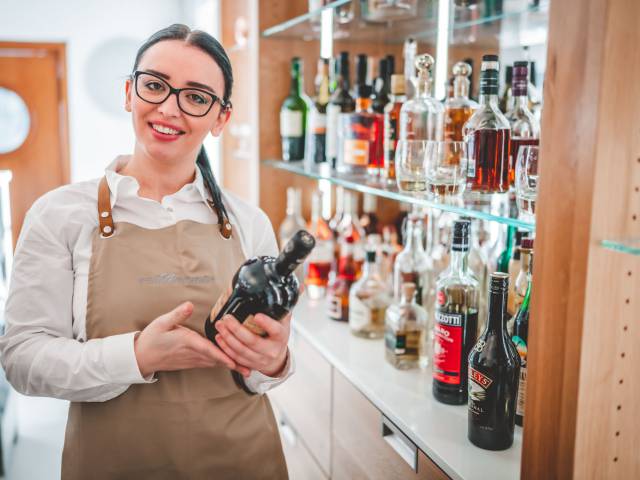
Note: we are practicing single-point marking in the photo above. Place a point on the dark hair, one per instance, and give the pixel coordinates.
(210, 45)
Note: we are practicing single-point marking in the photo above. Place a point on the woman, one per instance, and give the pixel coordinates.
(112, 281)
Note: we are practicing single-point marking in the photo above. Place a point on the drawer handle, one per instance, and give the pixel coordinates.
(402, 445)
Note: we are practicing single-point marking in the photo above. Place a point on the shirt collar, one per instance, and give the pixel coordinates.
(126, 185)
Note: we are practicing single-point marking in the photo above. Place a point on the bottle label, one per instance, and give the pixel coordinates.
(334, 307)
(471, 157)
(521, 347)
(404, 344)
(356, 152)
(359, 313)
(479, 383)
(390, 135)
(333, 112)
(291, 123)
(448, 346)
(318, 122)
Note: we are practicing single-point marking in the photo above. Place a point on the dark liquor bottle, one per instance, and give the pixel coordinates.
(494, 368)
(338, 291)
(381, 87)
(488, 135)
(293, 116)
(525, 129)
(341, 102)
(265, 285)
(318, 114)
(456, 321)
(391, 127)
(520, 339)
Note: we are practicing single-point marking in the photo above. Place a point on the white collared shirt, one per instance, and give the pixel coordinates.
(44, 350)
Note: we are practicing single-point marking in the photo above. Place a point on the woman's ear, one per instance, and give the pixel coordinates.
(127, 91)
(221, 121)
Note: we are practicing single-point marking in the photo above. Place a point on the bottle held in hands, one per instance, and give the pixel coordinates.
(265, 285)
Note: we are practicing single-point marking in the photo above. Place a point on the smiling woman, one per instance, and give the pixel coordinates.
(151, 396)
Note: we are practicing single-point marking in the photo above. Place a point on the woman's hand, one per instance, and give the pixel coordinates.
(165, 345)
(266, 355)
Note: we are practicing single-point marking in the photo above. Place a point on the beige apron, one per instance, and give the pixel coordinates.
(191, 424)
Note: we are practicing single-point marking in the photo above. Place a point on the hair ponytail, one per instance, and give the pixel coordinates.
(210, 182)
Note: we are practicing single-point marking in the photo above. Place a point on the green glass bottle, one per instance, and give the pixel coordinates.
(520, 339)
(507, 253)
(293, 117)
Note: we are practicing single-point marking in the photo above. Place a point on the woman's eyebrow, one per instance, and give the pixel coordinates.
(190, 83)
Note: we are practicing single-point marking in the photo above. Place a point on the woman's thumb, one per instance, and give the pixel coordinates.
(177, 316)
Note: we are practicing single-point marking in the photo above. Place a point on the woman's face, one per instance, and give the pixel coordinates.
(178, 63)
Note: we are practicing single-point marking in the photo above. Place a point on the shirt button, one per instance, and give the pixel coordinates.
(169, 209)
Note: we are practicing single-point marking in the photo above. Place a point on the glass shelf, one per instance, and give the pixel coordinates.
(518, 20)
(495, 208)
(630, 245)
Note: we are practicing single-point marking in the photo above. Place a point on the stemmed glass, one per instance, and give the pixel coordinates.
(527, 180)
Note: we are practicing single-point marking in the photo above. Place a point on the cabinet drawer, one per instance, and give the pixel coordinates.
(305, 401)
(360, 451)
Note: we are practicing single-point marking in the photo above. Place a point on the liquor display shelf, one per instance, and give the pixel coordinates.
(495, 208)
(404, 396)
(630, 245)
(518, 21)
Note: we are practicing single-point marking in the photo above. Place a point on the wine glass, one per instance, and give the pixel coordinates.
(446, 168)
(527, 180)
(411, 161)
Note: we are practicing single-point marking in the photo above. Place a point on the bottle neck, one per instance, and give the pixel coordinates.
(323, 90)
(293, 206)
(423, 85)
(489, 99)
(370, 269)
(527, 298)
(414, 238)
(496, 322)
(296, 84)
(461, 87)
(459, 262)
(525, 261)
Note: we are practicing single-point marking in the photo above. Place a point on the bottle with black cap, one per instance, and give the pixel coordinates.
(341, 101)
(360, 137)
(456, 319)
(494, 368)
(488, 134)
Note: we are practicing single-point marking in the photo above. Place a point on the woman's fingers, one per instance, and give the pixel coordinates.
(274, 328)
(233, 354)
(240, 352)
(242, 333)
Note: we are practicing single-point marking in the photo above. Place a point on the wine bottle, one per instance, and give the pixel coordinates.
(265, 285)
(494, 369)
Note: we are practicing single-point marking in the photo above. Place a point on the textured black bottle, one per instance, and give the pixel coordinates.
(494, 368)
(265, 285)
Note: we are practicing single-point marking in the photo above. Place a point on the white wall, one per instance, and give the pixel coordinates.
(101, 38)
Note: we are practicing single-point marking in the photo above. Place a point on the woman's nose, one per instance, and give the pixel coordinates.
(170, 106)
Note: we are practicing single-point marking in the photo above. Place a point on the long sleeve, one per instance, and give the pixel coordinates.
(264, 243)
(38, 351)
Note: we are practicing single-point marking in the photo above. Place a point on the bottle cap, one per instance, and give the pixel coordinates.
(397, 84)
(520, 78)
(508, 74)
(461, 236)
(527, 243)
(499, 282)
(462, 69)
(370, 256)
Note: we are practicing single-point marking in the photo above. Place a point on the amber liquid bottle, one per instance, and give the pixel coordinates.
(319, 263)
(391, 127)
(338, 292)
(459, 108)
(488, 135)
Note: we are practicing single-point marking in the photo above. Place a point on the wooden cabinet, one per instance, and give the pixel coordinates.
(305, 400)
(367, 445)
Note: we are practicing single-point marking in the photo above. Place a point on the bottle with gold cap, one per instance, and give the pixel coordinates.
(422, 117)
(458, 108)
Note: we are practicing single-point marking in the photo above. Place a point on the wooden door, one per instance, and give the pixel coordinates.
(37, 73)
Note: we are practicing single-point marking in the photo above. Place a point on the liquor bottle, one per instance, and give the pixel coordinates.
(339, 211)
(524, 275)
(405, 329)
(368, 301)
(360, 140)
(488, 134)
(494, 368)
(456, 320)
(412, 264)
(389, 251)
(409, 50)
(505, 256)
(362, 72)
(391, 130)
(459, 108)
(318, 114)
(369, 219)
(515, 266)
(422, 117)
(319, 263)
(520, 339)
(351, 231)
(341, 102)
(265, 285)
(506, 99)
(479, 265)
(525, 129)
(339, 287)
(293, 221)
(381, 88)
(293, 116)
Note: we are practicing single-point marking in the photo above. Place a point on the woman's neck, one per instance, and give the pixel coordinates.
(156, 178)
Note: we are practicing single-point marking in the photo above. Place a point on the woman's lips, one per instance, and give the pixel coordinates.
(163, 137)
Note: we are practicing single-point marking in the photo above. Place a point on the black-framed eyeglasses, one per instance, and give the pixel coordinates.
(193, 101)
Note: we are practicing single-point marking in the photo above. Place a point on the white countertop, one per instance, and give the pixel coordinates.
(405, 398)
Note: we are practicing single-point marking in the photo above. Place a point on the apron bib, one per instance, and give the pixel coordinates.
(189, 424)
